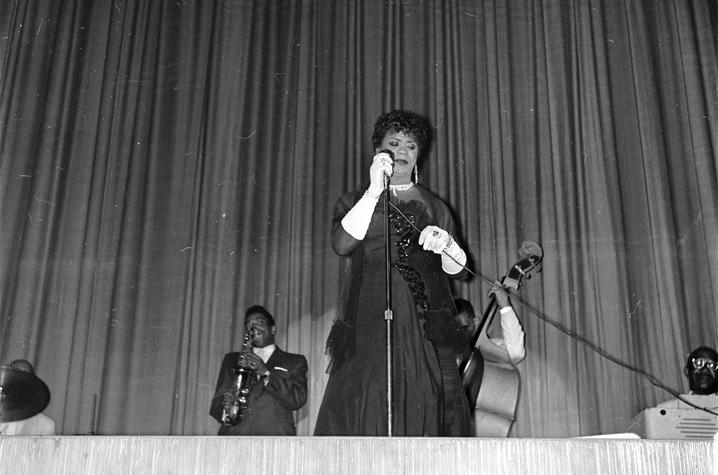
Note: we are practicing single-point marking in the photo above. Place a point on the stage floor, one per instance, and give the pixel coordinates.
(351, 455)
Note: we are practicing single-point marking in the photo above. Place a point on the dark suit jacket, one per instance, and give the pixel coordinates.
(269, 408)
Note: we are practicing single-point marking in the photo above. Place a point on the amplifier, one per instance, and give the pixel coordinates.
(674, 423)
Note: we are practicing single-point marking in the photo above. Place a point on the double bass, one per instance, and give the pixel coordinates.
(490, 380)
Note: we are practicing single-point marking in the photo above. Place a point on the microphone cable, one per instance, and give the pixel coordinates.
(567, 331)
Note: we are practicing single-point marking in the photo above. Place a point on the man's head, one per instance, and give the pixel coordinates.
(701, 370)
(261, 325)
(466, 315)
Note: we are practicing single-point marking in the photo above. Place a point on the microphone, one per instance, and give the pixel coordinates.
(387, 176)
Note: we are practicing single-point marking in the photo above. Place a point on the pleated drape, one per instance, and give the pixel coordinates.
(164, 165)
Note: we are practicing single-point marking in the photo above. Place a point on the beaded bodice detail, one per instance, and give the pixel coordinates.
(404, 229)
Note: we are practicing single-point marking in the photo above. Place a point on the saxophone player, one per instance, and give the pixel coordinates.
(277, 382)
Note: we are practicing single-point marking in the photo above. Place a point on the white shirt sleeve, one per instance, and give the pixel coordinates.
(513, 335)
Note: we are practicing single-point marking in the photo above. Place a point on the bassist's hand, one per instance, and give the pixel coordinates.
(502, 298)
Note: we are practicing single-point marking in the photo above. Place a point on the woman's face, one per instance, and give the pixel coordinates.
(405, 150)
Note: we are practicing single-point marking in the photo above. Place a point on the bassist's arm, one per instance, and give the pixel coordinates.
(513, 335)
(511, 331)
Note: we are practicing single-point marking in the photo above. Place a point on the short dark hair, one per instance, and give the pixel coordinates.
(463, 306)
(406, 122)
(258, 309)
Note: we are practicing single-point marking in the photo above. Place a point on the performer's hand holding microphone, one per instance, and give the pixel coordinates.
(381, 169)
(356, 221)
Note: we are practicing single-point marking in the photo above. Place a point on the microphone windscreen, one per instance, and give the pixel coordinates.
(388, 152)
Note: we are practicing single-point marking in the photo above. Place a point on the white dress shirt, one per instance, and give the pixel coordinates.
(512, 335)
(265, 353)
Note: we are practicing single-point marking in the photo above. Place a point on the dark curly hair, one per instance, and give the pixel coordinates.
(406, 122)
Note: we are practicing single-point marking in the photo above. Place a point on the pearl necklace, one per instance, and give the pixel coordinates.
(395, 188)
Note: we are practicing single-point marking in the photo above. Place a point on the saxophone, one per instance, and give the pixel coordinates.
(241, 385)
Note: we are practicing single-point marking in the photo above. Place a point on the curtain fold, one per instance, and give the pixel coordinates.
(165, 165)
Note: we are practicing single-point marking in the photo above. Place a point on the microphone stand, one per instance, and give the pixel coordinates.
(388, 313)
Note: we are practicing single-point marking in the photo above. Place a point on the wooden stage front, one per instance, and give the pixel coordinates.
(351, 455)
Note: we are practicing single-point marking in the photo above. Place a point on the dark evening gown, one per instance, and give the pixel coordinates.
(428, 399)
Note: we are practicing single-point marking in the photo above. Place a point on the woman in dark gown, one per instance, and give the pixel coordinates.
(428, 399)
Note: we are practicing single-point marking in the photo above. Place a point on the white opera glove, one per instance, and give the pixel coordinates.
(438, 241)
(356, 221)
(453, 259)
(382, 166)
(434, 239)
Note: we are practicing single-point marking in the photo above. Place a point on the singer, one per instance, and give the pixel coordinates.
(428, 399)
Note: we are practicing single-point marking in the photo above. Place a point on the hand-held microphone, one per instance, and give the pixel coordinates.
(388, 175)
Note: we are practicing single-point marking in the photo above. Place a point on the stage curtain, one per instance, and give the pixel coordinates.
(166, 164)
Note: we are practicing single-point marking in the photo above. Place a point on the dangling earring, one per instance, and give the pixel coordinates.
(416, 173)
